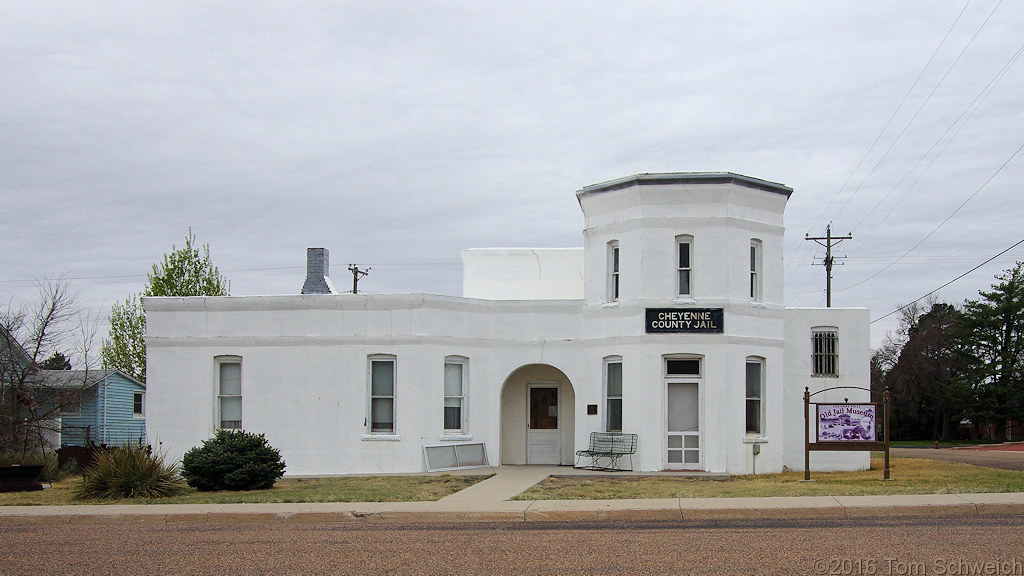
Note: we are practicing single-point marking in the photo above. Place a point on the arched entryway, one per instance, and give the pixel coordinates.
(538, 417)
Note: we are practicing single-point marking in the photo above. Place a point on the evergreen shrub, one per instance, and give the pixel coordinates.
(232, 460)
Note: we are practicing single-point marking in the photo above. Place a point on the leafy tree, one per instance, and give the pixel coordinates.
(928, 399)
(186, 271)
(991, 339)
(126, 348)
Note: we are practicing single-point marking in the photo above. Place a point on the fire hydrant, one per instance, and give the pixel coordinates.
(936, 444)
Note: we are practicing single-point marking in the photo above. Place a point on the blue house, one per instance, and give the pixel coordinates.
(99, 406)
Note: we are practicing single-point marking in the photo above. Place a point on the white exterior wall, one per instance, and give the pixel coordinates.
(305, 371)
(528, 316)
(522, 273)
(853, 325)
(722, 221)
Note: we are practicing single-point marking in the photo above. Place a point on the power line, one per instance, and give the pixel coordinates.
(1019, 242)
(918, 111)
(969, 111)
(934, 230)
(886, 127)
(394, 265)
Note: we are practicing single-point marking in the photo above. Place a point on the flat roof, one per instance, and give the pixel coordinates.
(666, 178)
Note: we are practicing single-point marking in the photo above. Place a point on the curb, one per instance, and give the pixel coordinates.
(536, 511)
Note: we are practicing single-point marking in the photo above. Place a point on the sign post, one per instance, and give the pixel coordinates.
(845, 426)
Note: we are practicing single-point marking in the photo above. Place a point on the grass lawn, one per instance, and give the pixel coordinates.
(942, 443)
(341, 489)
(909, 476)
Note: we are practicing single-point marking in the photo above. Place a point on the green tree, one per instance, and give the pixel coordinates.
(928, 399)
(57, 361)
(185, 271)
(991, 338)
(126, 348)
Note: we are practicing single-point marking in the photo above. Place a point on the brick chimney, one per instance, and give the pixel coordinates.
(318, 272)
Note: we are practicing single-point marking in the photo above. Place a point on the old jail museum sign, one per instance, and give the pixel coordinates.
(687, 320)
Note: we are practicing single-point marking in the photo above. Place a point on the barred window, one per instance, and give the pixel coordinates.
(825, 352)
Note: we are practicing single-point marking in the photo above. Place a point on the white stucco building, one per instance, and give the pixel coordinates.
(669, 323)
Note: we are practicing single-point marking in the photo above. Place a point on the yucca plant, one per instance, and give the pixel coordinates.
(129, 472)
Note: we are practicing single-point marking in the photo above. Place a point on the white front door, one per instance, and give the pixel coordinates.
(543, 438)
(683, 426)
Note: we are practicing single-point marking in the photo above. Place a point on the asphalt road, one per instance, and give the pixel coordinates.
(1007, 460)
(917, 545)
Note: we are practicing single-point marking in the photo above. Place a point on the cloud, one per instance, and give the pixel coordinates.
(401, 133)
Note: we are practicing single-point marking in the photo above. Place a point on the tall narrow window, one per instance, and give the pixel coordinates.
(755, 270)
(613, 394)
(454, 395)
(138, 404)
(755, 396)
(825, 352)
(613, 271)
(229, 394)
(382, 396)
(684, 268)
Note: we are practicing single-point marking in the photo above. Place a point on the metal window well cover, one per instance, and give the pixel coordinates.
(455, 456)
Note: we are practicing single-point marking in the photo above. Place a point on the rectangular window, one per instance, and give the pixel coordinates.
(138, 406)
(755, 271)
(755, 391)
(682, 367)
(454, 395)
(613, 271)
(613, 393)
(825, 352)
(382, 396)
(71, 408)
(683, 265)
(229, 395)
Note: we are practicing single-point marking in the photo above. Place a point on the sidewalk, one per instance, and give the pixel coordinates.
(489, 501)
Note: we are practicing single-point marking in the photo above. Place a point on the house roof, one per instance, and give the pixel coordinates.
(78, 378)
(9, 345)
(664, 178)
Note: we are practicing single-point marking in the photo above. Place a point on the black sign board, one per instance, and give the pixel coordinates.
(685, 320)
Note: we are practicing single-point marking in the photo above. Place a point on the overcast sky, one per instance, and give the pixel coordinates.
(396, 134)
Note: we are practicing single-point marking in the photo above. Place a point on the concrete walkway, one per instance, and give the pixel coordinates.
(506, 483)
(489, 501)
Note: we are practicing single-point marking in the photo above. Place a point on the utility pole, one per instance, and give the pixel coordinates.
(828, 241)
(356, 275)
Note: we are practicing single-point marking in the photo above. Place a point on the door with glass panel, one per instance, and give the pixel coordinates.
(683, 441)
(543, 438)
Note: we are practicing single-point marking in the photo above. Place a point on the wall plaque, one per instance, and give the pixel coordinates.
(685, 320)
